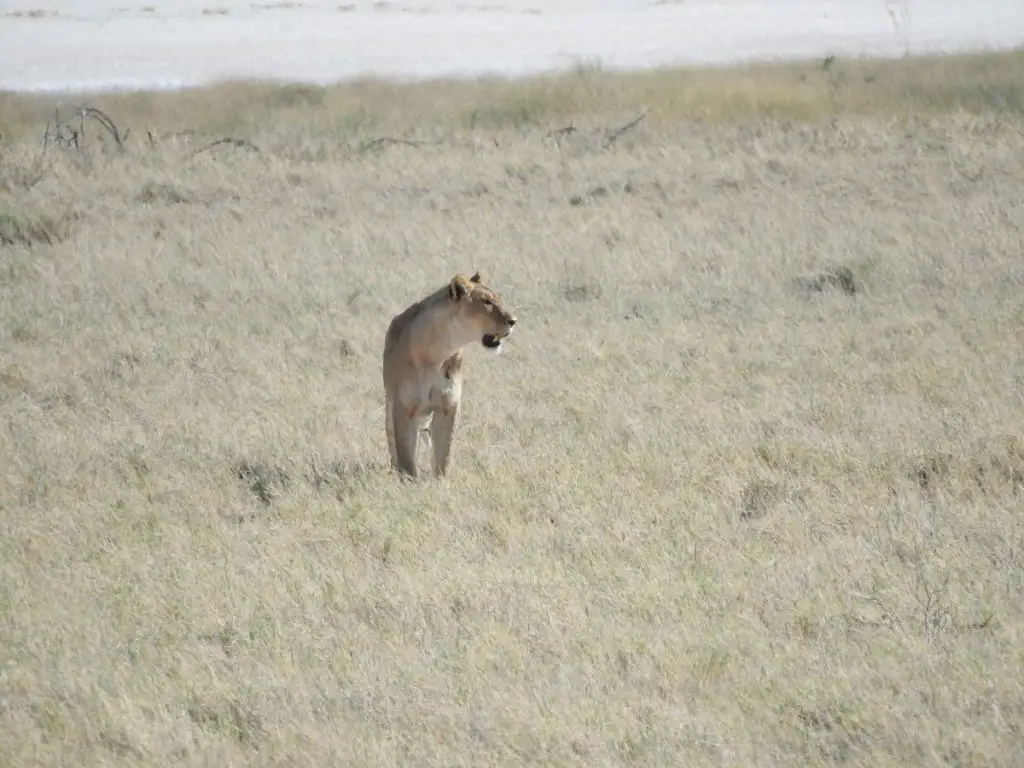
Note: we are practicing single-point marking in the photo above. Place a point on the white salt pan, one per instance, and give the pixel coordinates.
(162, 44)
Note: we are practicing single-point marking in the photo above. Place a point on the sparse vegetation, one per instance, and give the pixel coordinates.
(744, 489)
(30, 227)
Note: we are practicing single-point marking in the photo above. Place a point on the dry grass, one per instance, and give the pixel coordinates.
(745, 488)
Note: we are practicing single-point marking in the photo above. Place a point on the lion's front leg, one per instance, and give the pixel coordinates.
(407, 432)
(389, 428)
(442, 434)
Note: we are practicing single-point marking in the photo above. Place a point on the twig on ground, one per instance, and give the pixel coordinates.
(556, 134)
(35, 177)
(565, 130)
(233, 141)
(983, 624)
(387, 140)
(615, 135)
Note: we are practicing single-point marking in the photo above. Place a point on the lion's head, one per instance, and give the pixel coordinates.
(482, 306)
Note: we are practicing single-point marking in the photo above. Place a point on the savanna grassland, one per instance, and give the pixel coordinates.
(745, 488)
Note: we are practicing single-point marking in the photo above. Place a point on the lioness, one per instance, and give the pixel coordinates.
(423, 365)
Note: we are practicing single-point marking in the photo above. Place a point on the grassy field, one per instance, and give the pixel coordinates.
(745, 488)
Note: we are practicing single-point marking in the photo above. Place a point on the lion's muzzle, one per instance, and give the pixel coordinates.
(493, 341)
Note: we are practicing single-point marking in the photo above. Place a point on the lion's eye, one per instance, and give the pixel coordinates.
(488, 302)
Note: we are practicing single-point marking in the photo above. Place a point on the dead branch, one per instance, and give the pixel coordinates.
(31, 179)
(103, 119)
(566, 130)
(615, 135)
(983, 624)
(382, 141)
(59, 133)
(233, 141)
(64, 133)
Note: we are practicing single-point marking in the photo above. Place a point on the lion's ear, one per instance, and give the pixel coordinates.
(475, 278)
(458, 288)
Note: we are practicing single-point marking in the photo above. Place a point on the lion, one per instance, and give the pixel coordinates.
(423, 366)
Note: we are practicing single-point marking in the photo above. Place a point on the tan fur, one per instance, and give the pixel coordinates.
(423, 366)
